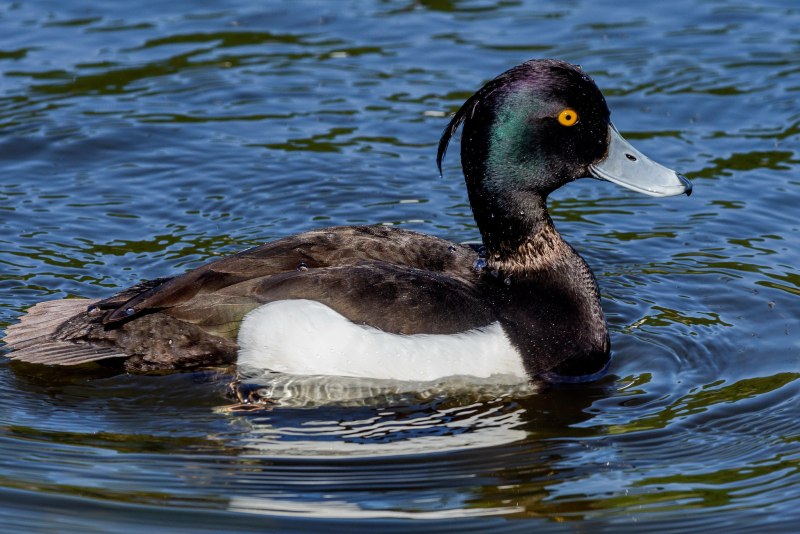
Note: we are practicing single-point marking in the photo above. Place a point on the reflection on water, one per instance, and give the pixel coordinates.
(142, 140)
(397, 418)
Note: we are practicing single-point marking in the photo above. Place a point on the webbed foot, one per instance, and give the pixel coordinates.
(250, 397)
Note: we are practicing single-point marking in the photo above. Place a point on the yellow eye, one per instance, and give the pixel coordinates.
(568, 117)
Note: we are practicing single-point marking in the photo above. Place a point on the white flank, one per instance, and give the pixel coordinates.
(305, 337)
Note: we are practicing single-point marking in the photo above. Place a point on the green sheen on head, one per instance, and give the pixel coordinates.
(533, 129)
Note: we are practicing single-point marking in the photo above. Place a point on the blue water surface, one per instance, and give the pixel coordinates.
(139, 139)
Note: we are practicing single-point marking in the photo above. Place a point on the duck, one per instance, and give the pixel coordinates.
(389, 303)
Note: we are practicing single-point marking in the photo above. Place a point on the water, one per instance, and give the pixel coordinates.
(141, 139)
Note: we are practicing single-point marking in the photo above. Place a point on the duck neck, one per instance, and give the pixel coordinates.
(521, 240)
(543, 249)
(518, 232)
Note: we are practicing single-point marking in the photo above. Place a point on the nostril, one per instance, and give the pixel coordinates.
(630, 157)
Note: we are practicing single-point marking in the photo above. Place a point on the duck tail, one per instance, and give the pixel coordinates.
(35, 338)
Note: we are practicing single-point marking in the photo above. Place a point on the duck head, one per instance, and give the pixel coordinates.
(532, 129)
